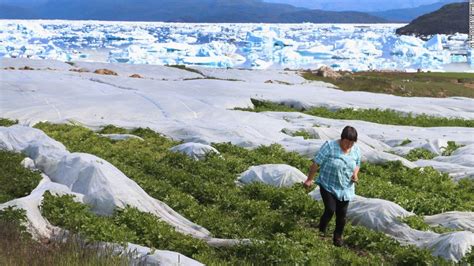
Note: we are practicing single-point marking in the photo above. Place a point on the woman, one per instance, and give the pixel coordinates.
(340, 163)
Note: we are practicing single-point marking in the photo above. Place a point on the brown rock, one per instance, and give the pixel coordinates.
(105, 71)
(327, 72)
(137, 76)
(81, 70)
(26, 68)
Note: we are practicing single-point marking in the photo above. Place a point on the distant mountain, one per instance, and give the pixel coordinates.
(182, 11)
(14, 12)
(355, 5)
(449, 19)
(409, 14)
(321, 16)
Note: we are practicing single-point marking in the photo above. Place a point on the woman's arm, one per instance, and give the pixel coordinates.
(312, 172)
(355, 177)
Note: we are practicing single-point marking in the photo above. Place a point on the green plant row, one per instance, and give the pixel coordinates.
(4, 122)
(388, 117)
(281, 218)
(424, 154)
(15, 180)
(418, 223)
(424, 191)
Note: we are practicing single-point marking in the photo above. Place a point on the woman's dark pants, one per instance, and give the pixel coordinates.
(333, 205)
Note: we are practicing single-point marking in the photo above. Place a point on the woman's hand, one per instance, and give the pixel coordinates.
(312, 172)
(355, 178)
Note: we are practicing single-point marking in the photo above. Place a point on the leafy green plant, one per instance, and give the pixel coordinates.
(64, 212)
(418, 223)
(263, 106)
(452, 146)
(405, 142)
(4, 122)
(304, 134)
(419, 154)
(15, 180)
(111, 129)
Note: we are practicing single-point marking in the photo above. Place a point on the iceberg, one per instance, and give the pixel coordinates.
(344, 47)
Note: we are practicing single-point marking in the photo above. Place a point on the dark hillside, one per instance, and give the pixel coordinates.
(449, 19)
(255, 11)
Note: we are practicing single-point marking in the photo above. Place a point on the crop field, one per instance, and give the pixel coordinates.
(279, 221)
(388, 117)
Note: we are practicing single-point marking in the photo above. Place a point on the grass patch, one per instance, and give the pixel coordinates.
(404, 84)
(17, 247)
(418, 223)
(282, 219)
(15, 180)
(184, 67)
(387, 117)
(4, 122)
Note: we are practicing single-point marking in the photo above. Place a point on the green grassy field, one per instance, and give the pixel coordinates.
(281, 219)
(427, 84)
(388, 117)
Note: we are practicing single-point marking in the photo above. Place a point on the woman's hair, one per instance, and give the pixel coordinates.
(349, 133)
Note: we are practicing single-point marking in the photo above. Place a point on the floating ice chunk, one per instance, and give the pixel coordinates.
(260, 64)
(318, 52)
(283, 42)
(435, 43)
(355, 49)
(288, 55)
(173, 46)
